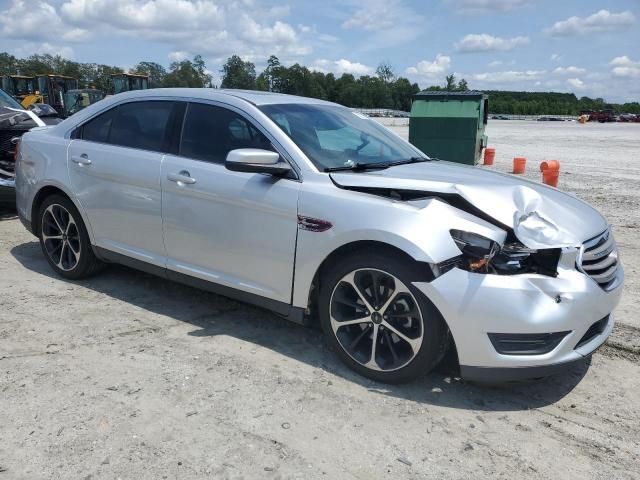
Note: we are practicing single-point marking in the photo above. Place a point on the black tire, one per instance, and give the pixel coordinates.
(63, 258)
(435, 334)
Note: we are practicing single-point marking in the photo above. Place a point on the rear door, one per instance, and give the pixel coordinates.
(114, 167)
(234, 229)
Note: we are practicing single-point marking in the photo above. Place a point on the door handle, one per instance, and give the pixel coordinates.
(81, 159)
(182, 177)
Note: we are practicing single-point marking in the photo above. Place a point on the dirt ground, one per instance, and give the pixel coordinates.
(132, 377)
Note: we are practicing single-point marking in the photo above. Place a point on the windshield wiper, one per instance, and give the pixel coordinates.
(406, 161)
(358, 166)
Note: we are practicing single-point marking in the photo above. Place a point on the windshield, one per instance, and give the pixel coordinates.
(23, 86)
(334, 137)
(7, 101)
(76, 100)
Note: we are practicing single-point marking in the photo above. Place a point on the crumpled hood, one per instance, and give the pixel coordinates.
(540, 216)
(11, 117)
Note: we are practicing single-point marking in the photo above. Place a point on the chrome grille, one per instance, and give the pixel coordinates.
(599, 259)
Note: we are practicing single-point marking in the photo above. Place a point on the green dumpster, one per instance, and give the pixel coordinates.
(449, 125)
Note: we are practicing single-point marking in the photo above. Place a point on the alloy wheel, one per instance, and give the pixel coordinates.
(61, 237)
(376, 319)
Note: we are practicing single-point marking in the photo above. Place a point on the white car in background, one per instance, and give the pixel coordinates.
(302, 206)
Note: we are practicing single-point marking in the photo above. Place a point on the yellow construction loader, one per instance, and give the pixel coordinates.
(22, 88)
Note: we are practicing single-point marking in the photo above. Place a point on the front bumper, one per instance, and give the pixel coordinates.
(514, 374)
(474, 305)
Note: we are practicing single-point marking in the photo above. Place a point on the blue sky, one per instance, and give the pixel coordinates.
(587, 47)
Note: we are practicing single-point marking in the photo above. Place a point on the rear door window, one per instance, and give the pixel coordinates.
(142, 125)
(211, 132)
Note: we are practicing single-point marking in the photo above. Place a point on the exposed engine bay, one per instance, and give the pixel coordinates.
(13, 124)
(481, 254)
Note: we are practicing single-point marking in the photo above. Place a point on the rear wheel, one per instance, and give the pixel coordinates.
(377, 321)
(64, 239)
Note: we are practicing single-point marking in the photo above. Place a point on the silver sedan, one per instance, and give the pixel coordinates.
(320, 214)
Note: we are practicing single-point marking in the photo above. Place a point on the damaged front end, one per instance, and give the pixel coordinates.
(15, 122)
(483, 255)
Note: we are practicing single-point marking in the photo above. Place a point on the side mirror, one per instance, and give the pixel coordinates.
(256, 160)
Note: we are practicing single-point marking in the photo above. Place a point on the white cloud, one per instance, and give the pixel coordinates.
(555, 57)
(621, 61)
(178, 56)
(375, 15)
(341, 66)
(389, 22)
(481, 7)
(501, 63)
(569, 70)
(29, 48)
(210, 27)
(36, 20)
(76, 35)
(145, 14)
(509, 76)
(576, 83)
(484, 42)
(601, 21)
(625, 67)
(430, 70)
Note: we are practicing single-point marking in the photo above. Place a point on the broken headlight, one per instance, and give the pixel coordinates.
(483, 255)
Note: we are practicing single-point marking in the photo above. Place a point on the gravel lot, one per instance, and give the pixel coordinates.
(129, 376)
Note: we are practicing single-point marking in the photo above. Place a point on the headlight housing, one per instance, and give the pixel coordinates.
(483, 255)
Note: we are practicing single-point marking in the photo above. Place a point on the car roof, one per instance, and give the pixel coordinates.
(252, 96)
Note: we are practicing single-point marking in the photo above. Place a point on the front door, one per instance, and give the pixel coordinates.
(234, 229)
(114, 167)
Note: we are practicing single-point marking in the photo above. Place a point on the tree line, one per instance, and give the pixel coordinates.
(551, 103)
(382, 90)
(184, 73)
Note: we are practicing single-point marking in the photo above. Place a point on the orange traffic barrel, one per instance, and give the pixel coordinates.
(519, 164)
(550, 177)
(550, 165)
(489, 155)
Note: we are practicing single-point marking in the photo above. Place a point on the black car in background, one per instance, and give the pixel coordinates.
(14, 122)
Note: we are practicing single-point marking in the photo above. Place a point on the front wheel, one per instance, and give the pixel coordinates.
(380, 325)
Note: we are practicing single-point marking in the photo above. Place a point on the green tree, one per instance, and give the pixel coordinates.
(236, 73)
(98, 76)
(157, 73)
(385, 72)
(402, 92)
(347, 92)
(9, 65)
(188, 73)
(462, 86)
(274, 75)
(450, 85)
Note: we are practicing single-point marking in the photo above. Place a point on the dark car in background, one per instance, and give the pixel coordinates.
(14, 122)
